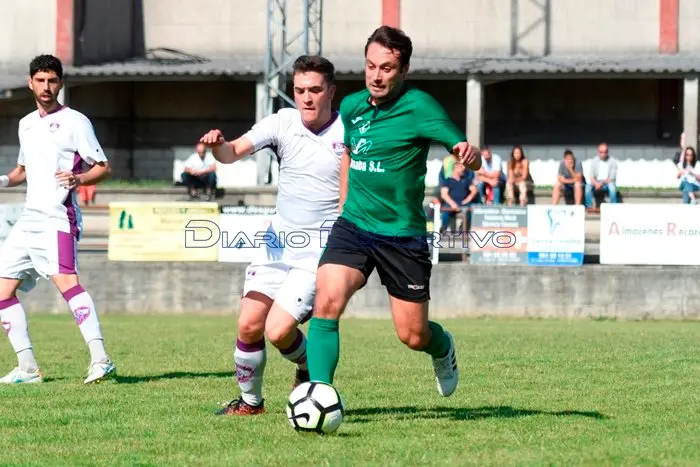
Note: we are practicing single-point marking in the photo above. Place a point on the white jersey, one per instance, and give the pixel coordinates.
(60, 141)
(308, 187)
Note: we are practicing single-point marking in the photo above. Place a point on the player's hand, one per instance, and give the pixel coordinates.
(67, 179)
(466, 153)
(213, 138)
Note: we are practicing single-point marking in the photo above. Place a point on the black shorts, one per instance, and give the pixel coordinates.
(403, 263)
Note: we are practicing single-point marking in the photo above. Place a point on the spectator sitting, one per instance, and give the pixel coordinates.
(518, 176)
(490, 175)
(688, 172)
(200, 172)
(603, 175)
(570, 179)
(457, 194)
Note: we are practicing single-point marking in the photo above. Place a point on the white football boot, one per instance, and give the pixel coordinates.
(100, 371)
(18, 376)
(446, 373)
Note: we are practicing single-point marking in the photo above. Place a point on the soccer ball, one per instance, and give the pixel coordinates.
(315, 406)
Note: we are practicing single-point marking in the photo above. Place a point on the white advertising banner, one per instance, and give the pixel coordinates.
(9, 215)
(650, 234)
(242, 231)
(556, 235)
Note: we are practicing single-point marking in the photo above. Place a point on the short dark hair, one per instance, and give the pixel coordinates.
(306, 63)
(46, 63)
(392, 39)
(568, 152)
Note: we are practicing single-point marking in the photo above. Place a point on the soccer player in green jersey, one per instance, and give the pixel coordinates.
(389, 127)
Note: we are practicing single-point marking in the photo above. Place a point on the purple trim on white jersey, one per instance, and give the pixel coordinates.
(69, 203)
(59, 108)
(334, 117)
(66, 253)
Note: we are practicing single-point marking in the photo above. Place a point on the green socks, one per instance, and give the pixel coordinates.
(323, 349)
(439, 343)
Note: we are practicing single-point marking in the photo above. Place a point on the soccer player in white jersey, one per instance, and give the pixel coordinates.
(55, 141)
(280, 282)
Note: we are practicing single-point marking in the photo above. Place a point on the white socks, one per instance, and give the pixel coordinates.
(296, 353)
(83, 310)
(250, 365)
(14, 322)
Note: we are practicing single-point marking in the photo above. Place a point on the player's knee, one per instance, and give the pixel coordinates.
(328, 306)
(250, 329)
(280, 334)
(414, 339)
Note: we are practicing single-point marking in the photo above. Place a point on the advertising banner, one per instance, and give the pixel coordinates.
(556, 235)
(498, 235)
(157, 231)
(650, 234)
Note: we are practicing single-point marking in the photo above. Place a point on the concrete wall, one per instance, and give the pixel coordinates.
(487, 27)
(239, 27)
(457, 290)
(457, 27)
(27, 28)
(688, 25)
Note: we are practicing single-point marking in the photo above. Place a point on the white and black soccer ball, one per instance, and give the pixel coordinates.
(315, 406)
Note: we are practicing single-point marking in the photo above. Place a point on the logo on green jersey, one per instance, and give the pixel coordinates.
(361, 146)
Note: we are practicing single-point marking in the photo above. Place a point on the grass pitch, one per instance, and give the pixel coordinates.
(531, 392)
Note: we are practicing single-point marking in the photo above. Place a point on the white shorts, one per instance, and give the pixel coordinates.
(294, 289)
(31, 251)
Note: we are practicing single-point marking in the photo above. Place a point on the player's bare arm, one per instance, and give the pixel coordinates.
(98, 172)
(224, 151)
(15, 178)
(344, 173)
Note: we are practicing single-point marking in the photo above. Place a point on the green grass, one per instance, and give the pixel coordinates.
(531, 393)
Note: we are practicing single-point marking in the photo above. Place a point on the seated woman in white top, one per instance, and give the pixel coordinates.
(689, 173)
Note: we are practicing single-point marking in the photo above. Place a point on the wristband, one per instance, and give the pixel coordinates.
(4, 181)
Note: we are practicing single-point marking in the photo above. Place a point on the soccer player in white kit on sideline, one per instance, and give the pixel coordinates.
(280, 282)
(54, 142)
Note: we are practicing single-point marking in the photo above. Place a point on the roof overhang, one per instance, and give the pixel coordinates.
(489, 69)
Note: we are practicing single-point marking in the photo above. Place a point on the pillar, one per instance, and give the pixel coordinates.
(391, 13)
(690, 110)
(263, 158)
(475, 111)
(668, 26)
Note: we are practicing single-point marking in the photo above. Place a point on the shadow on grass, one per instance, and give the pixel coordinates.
(455, 413)
(172, 375)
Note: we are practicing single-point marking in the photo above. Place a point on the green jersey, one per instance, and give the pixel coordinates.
(389, 147)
